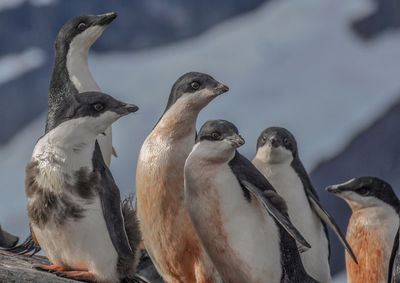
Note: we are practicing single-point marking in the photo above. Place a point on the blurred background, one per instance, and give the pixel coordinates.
(328, 70)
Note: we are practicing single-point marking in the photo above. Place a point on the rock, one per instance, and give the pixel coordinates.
(18, 268)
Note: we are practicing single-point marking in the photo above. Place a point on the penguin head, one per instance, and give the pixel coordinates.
(218, 140)
(365, 192)
(93, 111)
(195, 90)
(82, 31)
(276, 145)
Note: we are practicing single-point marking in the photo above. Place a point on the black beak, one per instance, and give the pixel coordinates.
(221, 88)
(334, 189)
(274, 142)
(131, 108)
(236, 140)
(106, 19)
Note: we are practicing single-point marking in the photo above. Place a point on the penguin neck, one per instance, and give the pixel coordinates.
(70, 75)
(78, 68)
(179, 121)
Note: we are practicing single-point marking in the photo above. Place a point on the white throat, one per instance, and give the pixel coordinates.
(77, 60)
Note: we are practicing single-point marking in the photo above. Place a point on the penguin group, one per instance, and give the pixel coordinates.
(203, 212)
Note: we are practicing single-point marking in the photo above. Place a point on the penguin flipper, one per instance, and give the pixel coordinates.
(30, 245)
(111, 204)
(254, 182)
(328, 219)
(278, 215)
(394, 273)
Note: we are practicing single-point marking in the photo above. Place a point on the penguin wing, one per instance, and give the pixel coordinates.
(253, 181)
(316, 206)
(394, 272)
(326, 218)
(30, 245)
(111, 205)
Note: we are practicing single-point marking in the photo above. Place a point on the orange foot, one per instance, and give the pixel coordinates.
(49, 268)
(78, 275)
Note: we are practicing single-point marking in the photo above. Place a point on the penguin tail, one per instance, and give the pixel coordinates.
(29, 247)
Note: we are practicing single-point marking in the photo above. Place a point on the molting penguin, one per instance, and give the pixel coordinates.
(372, 227)
(240, 219)
(278, 159)
(74, 205)
(71, 75)
(168, 233)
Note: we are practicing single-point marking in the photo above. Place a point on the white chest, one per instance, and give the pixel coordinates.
(240, 237)
(81, 244)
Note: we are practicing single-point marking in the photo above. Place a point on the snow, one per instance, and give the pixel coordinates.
(290, 63)
(14, 65)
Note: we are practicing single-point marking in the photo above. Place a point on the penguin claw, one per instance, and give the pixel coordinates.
(49, 268)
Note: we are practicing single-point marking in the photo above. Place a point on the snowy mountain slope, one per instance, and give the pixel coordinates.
(291, 63)
(141, 24)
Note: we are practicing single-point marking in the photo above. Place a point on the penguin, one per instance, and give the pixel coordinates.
(71, 72)
(240, 219)
(74, 205)
(372, 227)
(7, 240)
(168, 234)
(71, 75)
(278, 159)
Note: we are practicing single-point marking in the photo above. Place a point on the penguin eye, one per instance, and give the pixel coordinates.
(195, 85)
(264, 138)
(286, 141)
(215, 135)
(362, 191)
(98, 107)
(82, 26)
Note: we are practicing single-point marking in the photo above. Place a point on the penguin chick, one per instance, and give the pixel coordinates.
(240, 219)
(168, 233)
(278, 159)
(74, 205)
(372, 227)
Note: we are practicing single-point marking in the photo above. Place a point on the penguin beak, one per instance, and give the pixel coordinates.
(126, 109)
(236, 140)
(221, 88)
(334, 189)
(106, 19)
(274, 142)
(131, 108)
